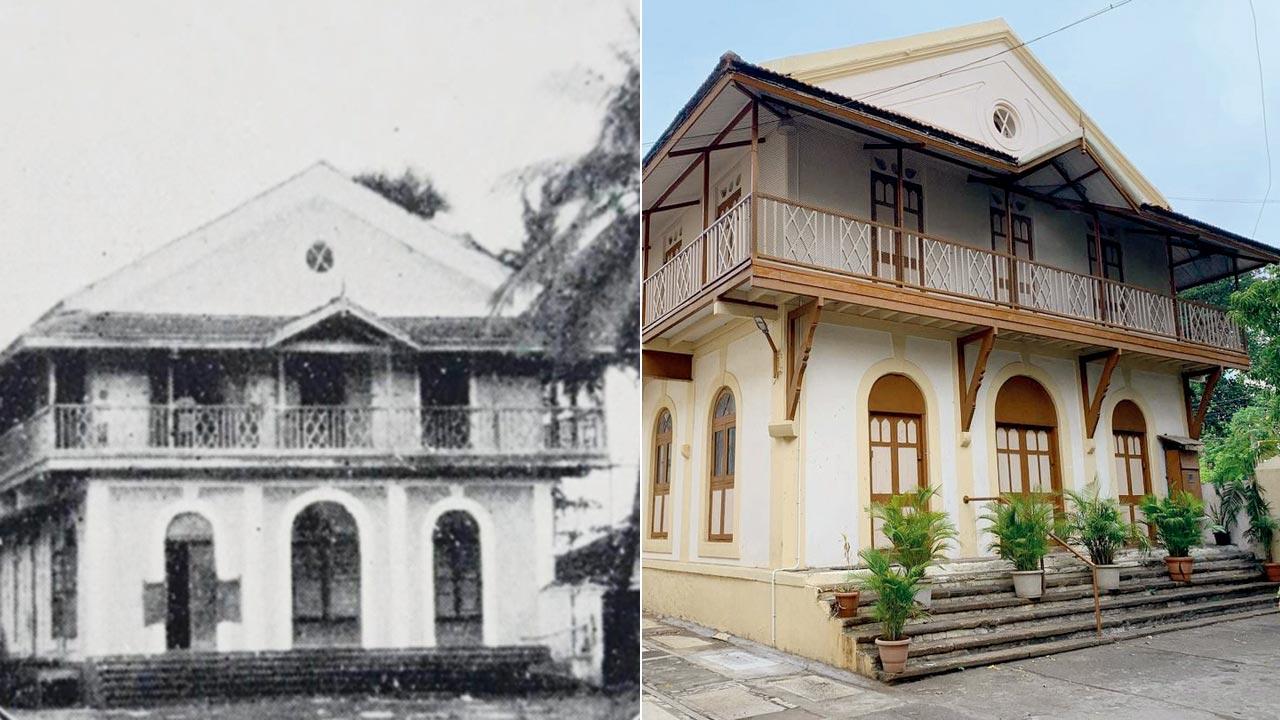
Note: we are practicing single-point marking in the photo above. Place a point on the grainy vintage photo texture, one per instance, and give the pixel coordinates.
(319, 368)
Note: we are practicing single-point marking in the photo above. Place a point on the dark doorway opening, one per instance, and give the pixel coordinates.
(458, 590)
(191, 585)
(326, 577)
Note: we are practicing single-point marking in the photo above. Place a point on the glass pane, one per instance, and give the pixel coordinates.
(732, 447)
(728, 511)
(908, 475)
(1046, 479)
(717, 468)
(876, 433)
(716, 499)
(912, 426)
(900, 430)
(1015, 439)
(1122, 481)
(1002, 471)
(1002, 439)
(1015, 472)
(881, 470)
(1135, 475)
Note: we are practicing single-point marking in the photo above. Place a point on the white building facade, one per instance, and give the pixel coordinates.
(297, 426)
(852, 292)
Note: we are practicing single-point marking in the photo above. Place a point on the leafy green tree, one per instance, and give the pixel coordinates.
(411, 191)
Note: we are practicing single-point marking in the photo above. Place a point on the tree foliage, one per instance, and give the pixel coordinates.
(581, 252)
(411, 191)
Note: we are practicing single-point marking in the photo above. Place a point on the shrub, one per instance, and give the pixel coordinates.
(1231, 500)
(919, 535)
(1262, 526)
(1098, 524)
(1178, 521)
(1021, 526)
(895, 589)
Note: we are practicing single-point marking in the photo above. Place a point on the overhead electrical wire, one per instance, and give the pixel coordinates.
(1266, 136)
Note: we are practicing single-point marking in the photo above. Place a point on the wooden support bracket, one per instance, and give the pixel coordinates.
(1093, 401)
(812, 313)
(1195, 415)
(969, 386)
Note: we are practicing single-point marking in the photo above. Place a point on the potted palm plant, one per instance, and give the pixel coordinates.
(1178, 522)
(1222, 517)
(847, 594)
(1021, 525)
(918, 535)
(1262, 526)
(895, 588)
(1098, 524)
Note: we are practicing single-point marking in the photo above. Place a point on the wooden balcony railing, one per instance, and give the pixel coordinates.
(78, 430)
(810, 236)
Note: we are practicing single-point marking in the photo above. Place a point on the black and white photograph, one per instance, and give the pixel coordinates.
(319, 359)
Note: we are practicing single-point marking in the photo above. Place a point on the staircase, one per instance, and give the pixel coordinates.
(975, 619)
(137, 681)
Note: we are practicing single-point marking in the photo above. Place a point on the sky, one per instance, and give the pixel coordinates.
(124, 125)
(1173, 83)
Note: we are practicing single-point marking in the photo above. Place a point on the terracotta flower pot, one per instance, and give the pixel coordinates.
(1108, 577)
(893, 654)
(1179, 568)
(1028, 584)
(1272, 569)
(847, 604)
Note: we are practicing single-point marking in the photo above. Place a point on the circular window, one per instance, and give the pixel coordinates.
(320, 257)
(1005, 121)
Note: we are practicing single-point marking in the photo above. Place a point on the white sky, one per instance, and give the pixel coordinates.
(126, 124)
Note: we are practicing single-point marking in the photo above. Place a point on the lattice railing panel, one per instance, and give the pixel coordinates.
(1209, 326)
(1139, 309)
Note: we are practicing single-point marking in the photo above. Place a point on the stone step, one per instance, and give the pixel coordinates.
(1000, 582)
(1078, 625)
(937, 665)
(1047, 609)
(1002, 600)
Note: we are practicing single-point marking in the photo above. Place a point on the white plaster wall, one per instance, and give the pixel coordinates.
(840, 359)
(255, 549)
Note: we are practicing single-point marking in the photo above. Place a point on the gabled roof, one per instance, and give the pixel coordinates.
(818, 67)
(257, 248)
(339, 308)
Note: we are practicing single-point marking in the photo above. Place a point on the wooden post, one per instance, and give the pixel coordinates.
(51, 379)
(898, 220)
(170, 422)
(1100, 273)
(755, 172)
(1173, 288)
(1009, 248)
(706, 212)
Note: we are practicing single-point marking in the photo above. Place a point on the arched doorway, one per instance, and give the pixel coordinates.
(326, 577)
(1132, 471)
(1027, 439)
(459, 595)
(191, 585)
(896, 438)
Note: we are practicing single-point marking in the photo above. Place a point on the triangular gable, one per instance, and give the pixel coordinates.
(955, 78)
(253, 260)
(341, 317)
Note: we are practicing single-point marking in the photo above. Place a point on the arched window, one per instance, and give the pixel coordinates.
(896, 437)
(659, 513)
(1132, 473)
(191, 584)
(326, 576)
(724, 439)
(459, 594)
(1026, 439)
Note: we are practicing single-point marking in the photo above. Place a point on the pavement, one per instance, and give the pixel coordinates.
(1227, 670)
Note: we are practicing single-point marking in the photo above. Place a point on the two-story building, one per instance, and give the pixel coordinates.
(909, 262)
(297, 426)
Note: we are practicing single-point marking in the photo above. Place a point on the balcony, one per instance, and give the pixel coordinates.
(792, 234)
(63, 432)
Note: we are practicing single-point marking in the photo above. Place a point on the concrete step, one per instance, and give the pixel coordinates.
(935, 665)
(1002, 600)
(1083, 624)
(985, 620)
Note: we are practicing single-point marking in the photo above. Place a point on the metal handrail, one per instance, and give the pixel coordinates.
(1093, 568)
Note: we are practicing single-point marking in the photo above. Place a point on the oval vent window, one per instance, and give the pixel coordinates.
(320, 257)
(1005, 121)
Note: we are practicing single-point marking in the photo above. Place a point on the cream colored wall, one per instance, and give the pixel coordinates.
(252, 524)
